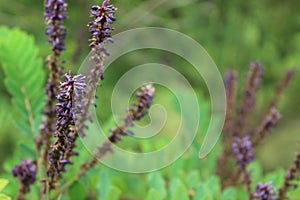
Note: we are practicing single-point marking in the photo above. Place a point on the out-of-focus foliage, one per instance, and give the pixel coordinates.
(3, 183)
(233, 32)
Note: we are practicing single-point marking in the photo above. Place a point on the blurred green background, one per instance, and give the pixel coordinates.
(233, 32)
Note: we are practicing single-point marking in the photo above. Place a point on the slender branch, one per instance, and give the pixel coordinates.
(270, 121)
(248, 101)
(280, 88)
(290, 176)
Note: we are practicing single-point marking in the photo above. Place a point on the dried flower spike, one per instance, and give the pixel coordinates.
(230, 83)
(230, 88)
(249, 96)
(237, 129)
(26, 174)
(282, 85)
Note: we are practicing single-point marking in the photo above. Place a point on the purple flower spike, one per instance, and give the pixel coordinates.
(243, 151)
(139, 110)
(72, 90)
(100, 27)
(26, 174)
(264, 191)
(55, 12)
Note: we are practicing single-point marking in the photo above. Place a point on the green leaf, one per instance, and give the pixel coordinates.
(113, 193)
(156, 182)
(192, 179)
(242, 193)
(24, 127)
(256, 171)
(213, 184)
(3, 32)
(229, 194)
(4, 197)
(177, 167)
(106, 188)
(276, 177)
(24, 76)
(293, 194)
(77, 191)
(20, 107)
(3, 183)
(47, 195)
(153, 195)
(26, 151)
(203, 193)
(178, 190)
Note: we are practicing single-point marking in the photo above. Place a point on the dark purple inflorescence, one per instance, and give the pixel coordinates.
(243, 151)
(72, 90)
(145, 96)
(101, 27)
(55, 12)
(26, 173)
(264, 191)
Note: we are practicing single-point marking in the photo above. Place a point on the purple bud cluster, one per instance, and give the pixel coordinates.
(26, 173)
(66, 135)
(243, 151)
(264, 191)
(270, 121)
(55, 12)
(145, 96)
(101, 27)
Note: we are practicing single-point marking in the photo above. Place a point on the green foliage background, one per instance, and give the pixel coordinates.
(233, 32)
